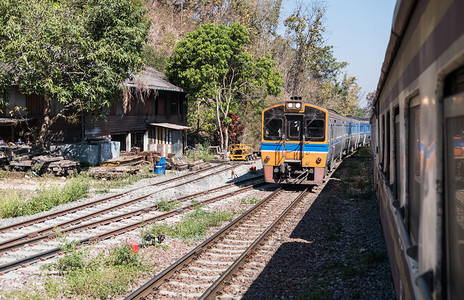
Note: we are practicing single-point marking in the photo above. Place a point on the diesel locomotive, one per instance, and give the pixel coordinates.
(301, 142)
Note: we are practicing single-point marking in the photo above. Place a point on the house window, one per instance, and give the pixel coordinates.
(137, 139)
(119, 107)
(174, 106)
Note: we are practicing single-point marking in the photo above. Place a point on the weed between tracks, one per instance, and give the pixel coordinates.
(193, 226)
(107, 273)
(165, 205)
(251, 200)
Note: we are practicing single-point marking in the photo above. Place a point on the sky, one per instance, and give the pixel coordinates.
(359, 31)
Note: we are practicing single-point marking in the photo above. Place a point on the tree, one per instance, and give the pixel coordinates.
(310, 59)
(211, 64)
(74, 52)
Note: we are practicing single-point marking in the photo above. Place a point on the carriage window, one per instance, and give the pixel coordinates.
(454, 168)
(315, 130)
(273, 129)
(455, 207)
(387, 144)
(396, 153)
(414, 175)
(383, 144)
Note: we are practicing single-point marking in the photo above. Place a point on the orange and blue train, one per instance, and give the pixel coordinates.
(301, 143)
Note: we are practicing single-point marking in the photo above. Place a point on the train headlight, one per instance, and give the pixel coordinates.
(293, 106)
(318, 160)
(267, 158)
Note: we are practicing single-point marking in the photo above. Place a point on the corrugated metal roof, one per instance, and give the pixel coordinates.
(152, 79)
(12, 121)
(170, 126)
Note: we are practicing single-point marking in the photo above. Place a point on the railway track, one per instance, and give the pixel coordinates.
(126, 221)
(63, 212)
(202, 273)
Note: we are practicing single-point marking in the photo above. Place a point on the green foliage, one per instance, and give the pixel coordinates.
(73, 53)
(193, 225)
(99, 277)
(199, 152)
(52, 287)
(310, 59)
(46, 199)
(73, 258)
(155, 59)
(165, 205)
(251, 200)
(124, 256)
(211, 64)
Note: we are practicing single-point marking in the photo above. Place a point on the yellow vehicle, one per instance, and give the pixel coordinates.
(241, 152)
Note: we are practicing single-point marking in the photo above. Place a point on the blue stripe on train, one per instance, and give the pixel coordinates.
(295, 147)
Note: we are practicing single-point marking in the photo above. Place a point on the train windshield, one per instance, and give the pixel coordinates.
(294, 127)
(315, 130)
(273, 129)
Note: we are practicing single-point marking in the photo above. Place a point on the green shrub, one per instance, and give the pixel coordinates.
(201, 152)
(99, 277)
(124, 256)
(193, 226)
(251, 200)
(46, 199)
(11, 204)
(165, 205)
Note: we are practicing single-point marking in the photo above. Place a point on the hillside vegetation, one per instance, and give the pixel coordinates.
(295, 49)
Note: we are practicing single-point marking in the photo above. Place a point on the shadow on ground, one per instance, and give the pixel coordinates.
(337, 250)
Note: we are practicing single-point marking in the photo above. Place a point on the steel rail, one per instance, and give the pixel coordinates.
(41, 256)
(99, 201)
(155, 282)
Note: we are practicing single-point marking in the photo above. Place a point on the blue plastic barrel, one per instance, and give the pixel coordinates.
(160, 167)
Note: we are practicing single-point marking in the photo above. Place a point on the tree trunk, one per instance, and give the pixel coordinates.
(218, 115)
(47, 122)
(227, 137)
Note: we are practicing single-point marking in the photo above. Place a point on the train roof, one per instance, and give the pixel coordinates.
(403, 11)
(330, 111)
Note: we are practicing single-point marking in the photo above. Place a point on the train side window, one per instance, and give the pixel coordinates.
(386, 170)
(396, 154)
(382, 144)
(315, 130)
(454, 195)
(414, 176)
(273, 129)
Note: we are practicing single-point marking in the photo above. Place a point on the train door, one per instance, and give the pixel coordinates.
(454, 196)
(294, 141)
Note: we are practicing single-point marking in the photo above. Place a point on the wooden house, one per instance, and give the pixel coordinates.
(153, 118)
